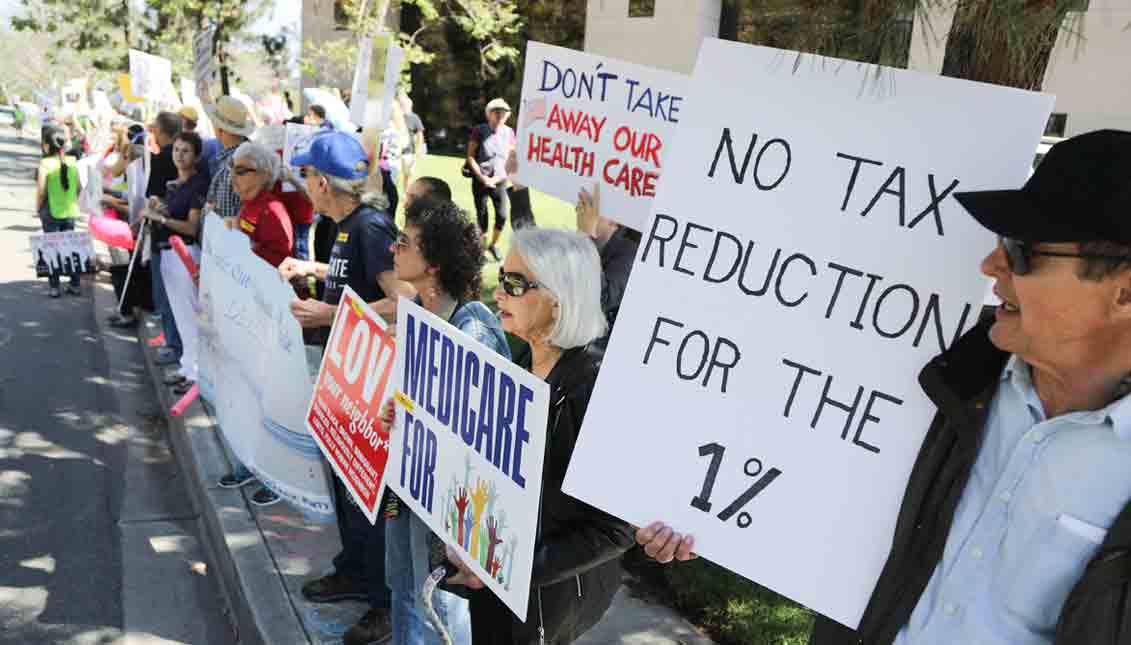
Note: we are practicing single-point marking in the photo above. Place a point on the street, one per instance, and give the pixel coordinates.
(98, 537)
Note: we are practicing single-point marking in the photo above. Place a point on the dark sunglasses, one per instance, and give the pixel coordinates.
(1019, 255)
(515, 284)
(240, 171)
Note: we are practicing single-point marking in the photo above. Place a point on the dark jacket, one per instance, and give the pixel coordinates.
(577, 554)
(962, 382)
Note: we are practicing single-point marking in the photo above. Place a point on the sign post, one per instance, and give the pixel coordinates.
(804, 259)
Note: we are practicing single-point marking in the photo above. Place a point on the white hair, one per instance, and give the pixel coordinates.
(566, 264)
(263, 158)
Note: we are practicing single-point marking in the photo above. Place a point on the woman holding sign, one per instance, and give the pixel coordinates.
(549, 295)
(440, 253)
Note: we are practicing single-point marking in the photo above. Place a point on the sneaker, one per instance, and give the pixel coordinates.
(374, 627)
(173, 379)
(119, 321)
(182, 388)
(333, 588)
(264, 497)
(166, 356)
(156, 341)
(53, 292)
(232, 480)
(73, 290)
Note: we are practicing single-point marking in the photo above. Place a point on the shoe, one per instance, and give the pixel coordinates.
(182, 388)
(119, 321)
(73, 290)
(264, 497)
(53, 292)
(232, 481)
(166, 356)
(374, 627)
(333, 588)
(157, 341)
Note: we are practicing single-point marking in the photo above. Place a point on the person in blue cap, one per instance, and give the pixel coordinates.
(335, 169)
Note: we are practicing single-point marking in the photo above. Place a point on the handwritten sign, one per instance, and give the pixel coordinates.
(369, 79)
(150, 76)
(204, 66)
(345, 411)
(773, 407)
(591, 120)
(253, 369)
(62, 253)
(467, 449)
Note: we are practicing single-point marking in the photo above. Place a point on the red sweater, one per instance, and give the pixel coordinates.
(266, 221)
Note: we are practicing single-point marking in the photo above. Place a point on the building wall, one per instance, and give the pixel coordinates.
(1090, 76)
(318, 27)
(668, 40)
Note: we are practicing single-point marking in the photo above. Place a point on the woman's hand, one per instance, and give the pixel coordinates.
(465, 576)
(292, 268)
(588, 210)
(663, 544)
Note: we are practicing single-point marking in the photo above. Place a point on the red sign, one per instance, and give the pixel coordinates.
(345, 411)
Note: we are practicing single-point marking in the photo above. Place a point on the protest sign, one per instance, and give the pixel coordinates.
(253, 369)
(345, 411)
(150, 76)
(62, 253)
(804, 260)
(467, 447)
(589, 121)
(369, 79)
(203, 66)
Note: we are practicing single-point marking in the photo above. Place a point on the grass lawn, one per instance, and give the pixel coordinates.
(549, 212)
(732, 609)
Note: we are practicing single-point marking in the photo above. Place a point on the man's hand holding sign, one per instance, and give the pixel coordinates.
(818, 269)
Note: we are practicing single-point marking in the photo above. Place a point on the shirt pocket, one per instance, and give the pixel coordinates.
(1052, 563)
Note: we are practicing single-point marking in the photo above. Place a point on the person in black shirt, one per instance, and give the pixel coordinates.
(335, 168)
(165, 128)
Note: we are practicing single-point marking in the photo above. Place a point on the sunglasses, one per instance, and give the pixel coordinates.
(1019, 255)
(240, 171)
(515, 284)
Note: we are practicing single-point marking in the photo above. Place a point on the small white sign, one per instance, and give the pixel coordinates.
(62, 253)
(805, 259)
(150, 76)
(591, 121)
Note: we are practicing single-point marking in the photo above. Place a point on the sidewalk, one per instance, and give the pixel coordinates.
(264, 555)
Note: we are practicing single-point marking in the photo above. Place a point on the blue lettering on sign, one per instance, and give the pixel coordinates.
(575, 84)
(480, 404)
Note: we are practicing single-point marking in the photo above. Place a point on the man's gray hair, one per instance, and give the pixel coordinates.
(263, 158)
(566, 264)
(357, 189)
(169, 123)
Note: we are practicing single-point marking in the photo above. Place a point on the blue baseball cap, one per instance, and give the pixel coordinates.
(336, 154)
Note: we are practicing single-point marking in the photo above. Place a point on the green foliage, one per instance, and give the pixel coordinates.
(98, 29)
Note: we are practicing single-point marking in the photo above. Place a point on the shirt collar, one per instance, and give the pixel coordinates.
(1116, 414)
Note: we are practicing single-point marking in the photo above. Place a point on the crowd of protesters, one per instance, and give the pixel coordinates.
(1052, 356)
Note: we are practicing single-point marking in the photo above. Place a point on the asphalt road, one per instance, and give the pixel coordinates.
(98, 540)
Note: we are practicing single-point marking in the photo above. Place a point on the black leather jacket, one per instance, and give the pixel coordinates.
(577, 555)
(962, 382)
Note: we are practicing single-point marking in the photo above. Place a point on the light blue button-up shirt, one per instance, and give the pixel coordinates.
(1042, 494)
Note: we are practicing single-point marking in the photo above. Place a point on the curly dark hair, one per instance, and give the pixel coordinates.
(449, 240)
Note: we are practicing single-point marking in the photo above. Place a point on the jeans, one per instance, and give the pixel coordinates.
(161, 306)
(406, 569)
(363, 548)
(481, 194)
(52, 225)
(302, 241)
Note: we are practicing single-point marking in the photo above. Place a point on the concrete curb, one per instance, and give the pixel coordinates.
(237, 551)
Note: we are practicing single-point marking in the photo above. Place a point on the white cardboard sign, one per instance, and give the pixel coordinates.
(62, 253)
(253, 369)
(204, 66)
(150, 76)
(467, 447)
(589, 121)
(364, 110)
(805, 259)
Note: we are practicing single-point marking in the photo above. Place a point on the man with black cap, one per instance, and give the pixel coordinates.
(1013, 526)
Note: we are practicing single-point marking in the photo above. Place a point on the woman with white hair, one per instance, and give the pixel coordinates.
(549, 295)
(263, 216)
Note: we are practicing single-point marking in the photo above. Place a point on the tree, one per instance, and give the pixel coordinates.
(99, 30)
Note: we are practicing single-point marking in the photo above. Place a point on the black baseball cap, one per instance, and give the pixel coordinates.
(1080, 192)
